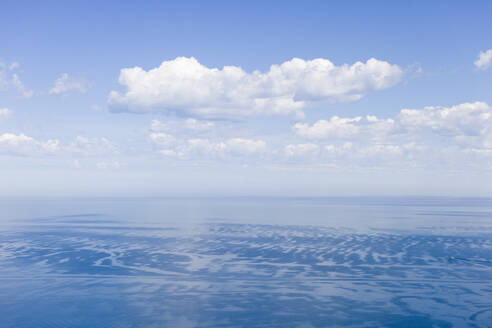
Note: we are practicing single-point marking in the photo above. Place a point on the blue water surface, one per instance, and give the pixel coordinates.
(246, 262)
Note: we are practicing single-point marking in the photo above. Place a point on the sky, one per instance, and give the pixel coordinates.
(245, 98)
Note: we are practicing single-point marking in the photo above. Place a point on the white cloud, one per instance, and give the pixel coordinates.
(5, 113)
(195, 125)
(4, 82)
(468, 124)
(246, 146)
(10, 79)
(20, 144)
(238, 146)
(67, 83)
(182, 148)
(484, 60)
(467, 119)
(359, 152)
(424, 137)
(91, 146)
(185, 87)
(369, 155)
(13, 65)
(162, 139)
(302, 150)
(156, 125)
(336, 127)
(204, 146)
(5, 75)
(23, 145)
(339, 150)
(108, 165)
(369, 127)
(171, 153)
(21, 88)
(190, 124)
(51, 146)
(97, 108)
(381, 149)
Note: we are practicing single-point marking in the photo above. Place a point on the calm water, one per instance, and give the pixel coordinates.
(318, 262)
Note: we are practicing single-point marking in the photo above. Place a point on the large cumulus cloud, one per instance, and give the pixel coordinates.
(187, 88)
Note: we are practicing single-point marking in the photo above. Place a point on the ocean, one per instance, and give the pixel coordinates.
(246, 262)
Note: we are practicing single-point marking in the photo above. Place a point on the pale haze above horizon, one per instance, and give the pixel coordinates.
(229, 98)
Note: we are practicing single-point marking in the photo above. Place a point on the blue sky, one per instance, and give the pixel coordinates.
(384, 97)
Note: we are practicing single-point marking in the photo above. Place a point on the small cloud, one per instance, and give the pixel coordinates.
(189, 124)
(301, 150)
(97, 108)
(369, 127)
(67, 83)
(21, 88)
(110, 165)
(5, 113)
(162, 139)
(246, 146)
(484, 60)
(91, 146)
(13, 66)
(171, 153)
(27, 146)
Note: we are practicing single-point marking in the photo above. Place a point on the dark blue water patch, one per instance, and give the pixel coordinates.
(136, 303)
(356, 254)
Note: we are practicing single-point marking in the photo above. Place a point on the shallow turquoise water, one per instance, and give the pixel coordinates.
(250, 262)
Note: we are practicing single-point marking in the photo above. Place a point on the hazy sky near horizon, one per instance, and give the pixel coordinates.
(290, 98)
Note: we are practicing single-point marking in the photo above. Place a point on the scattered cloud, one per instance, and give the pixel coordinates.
(201, 146)
(470, 122)
(5, 75)
(308, 150)
(4, 80)
(22, 145)
(418, 137)
(91, 146)
(171, 153)
(467, 123)
(14, 65)
(5, 113)
(97, 108)
(189, 124)
(187, 88)
(186, 148)
(369, 127)
(108, 165)
(10, 79)
(20, 87)
(162, 139)
(246, 146)
(484, 60)
(336, 127)
(463, 119)
(66, 83)
(413, 137)
(238, 146)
